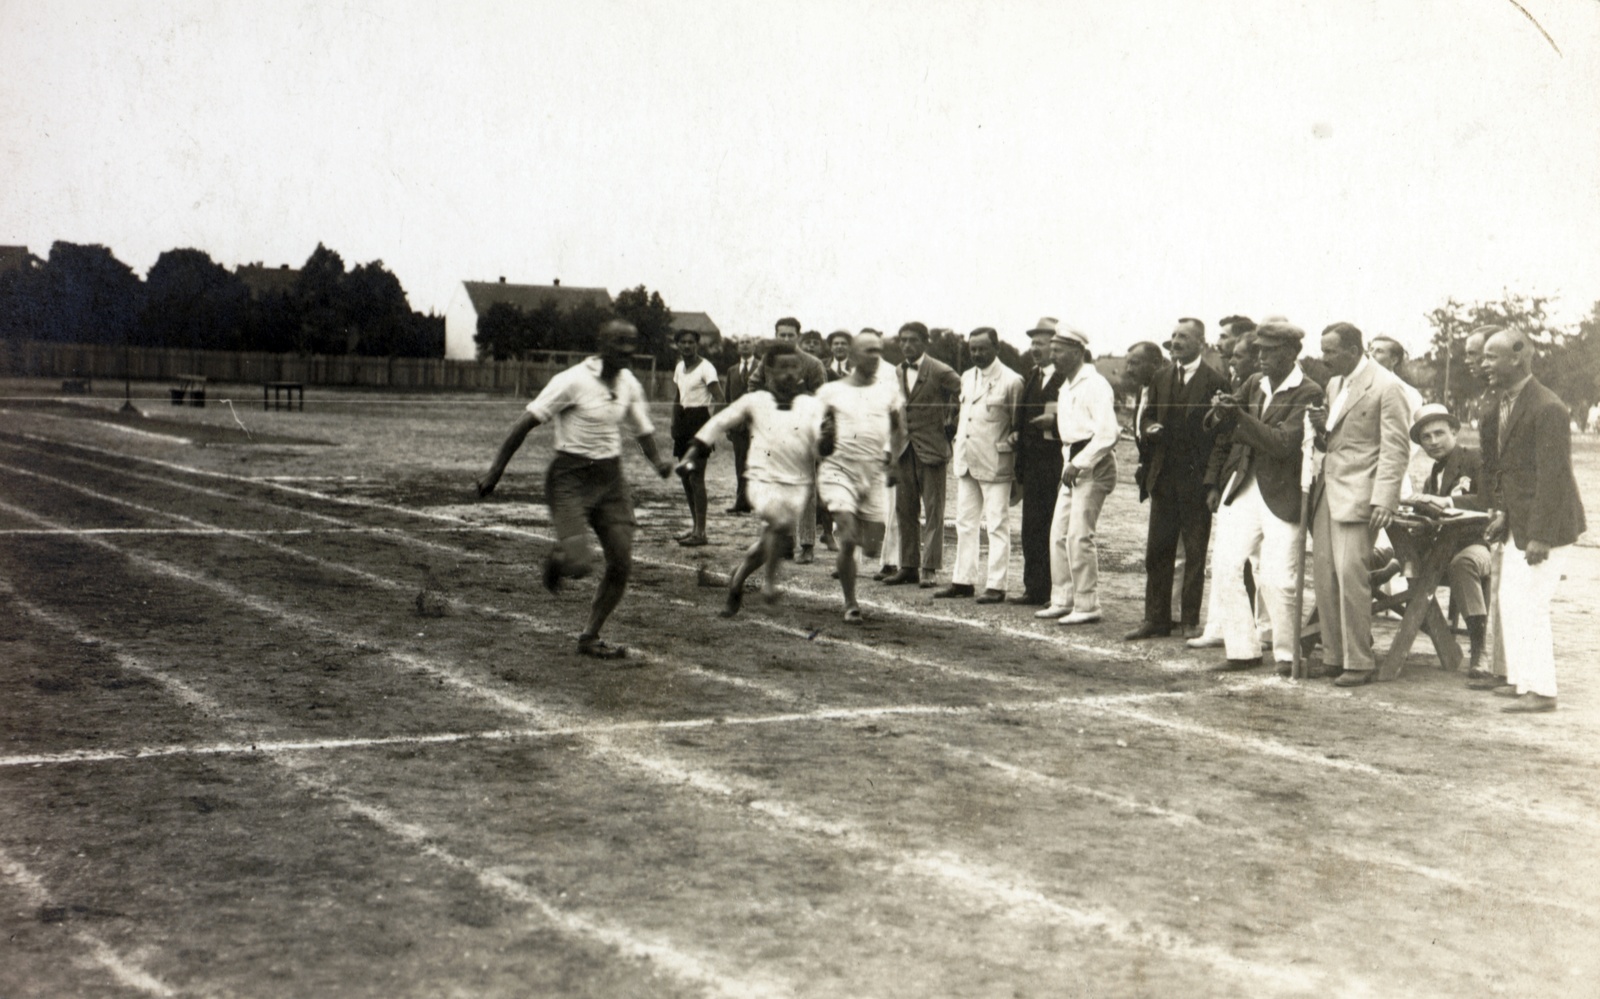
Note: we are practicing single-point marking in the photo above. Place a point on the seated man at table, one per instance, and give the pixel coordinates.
(1454, 484)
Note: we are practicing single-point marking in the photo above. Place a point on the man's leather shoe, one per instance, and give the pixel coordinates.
(1478, 673)
(736, 509)
(1193, 631)
(1238, 665)
(1030, 600)
(1148, 629)
(929, 581)
(1080, 617)
(1202, 642)
(992, 597)
(1530, 703)
(1050, 613)
(806, 556)
(1488, 682)
(901, 577)
(955, 590)
(1506, 690)
(1355, 677)
(884, 572)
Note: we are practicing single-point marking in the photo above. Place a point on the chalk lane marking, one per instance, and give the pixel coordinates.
(688, 967)
(959, 875)
(125, 970)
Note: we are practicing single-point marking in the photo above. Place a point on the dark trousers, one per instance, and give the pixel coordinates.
(1177, 509)
(921, 489)
(741, 453)
(1041, 483)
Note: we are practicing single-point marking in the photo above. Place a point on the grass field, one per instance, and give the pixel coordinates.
(284, 712)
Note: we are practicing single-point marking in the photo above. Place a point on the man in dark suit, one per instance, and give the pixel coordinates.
(838, 364)
(931, 389)
(1527, 460)
(1178, 446)
(1038, 467)
(739, 437)
(1456, 483)
(1258, 496)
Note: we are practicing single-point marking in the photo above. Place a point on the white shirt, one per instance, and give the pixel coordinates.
(912, 371)
(1189, 370)
(861, 416)
(694, 385)
(1294, 380)
(783, 442)
(1086, 409)
(588, 414)
(1344, 392)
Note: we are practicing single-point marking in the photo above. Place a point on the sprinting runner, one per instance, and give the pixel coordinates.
(785, 439)
(589, 403)
(863, 415)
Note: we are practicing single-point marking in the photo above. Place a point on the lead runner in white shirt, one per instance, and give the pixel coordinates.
(589, 403)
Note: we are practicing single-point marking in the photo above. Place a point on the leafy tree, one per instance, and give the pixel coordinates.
(375, 310)
(1564, 362)
(579, 325)
(81, 294)
(318, 297)
(192, 302)
(502, 334)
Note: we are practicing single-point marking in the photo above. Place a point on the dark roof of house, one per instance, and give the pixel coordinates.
(528, 297)
(264, 280)
(698, 322)
(14, 258)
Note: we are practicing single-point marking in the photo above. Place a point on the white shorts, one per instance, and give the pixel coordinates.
(777, 503)
(852, 487)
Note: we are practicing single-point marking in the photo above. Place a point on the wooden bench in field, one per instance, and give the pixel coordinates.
(191, 389)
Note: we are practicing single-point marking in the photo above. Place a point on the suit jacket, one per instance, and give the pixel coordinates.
(835, 369)
(1530, 475)
(1369, 445)
(930, 409)
(739, 384)
(1266, 443)
(1462, 467)
(1033, 443)
(982, 446)
(1183, 448)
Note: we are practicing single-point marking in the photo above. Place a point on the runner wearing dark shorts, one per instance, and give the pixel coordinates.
(589, 404)
(698, 390)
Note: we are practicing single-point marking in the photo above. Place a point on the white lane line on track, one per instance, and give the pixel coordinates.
(125, 970)
(212, 532)
(80, 420)
(135, 753)
(689, 967)
(791, 818)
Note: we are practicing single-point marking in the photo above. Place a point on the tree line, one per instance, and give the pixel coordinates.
(84, 294)
(1567, 360)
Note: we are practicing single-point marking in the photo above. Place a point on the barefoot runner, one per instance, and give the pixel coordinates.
(785, 431)
(864, 418)
(584, 487)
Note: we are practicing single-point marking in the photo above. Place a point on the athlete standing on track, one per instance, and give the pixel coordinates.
(864, 415)
(584, 487)
(785, 429)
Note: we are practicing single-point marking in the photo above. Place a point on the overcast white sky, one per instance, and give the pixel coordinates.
(962, 162)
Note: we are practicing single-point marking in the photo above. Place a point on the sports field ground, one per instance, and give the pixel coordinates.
(285, 712)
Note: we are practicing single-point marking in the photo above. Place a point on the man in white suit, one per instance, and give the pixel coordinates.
(984, 461)
(1364, 434)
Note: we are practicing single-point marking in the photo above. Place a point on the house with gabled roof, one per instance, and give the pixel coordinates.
(16, 258)
(473, 298)
(699, 322)
(263, 280)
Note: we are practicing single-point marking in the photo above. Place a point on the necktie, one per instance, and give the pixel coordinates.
(1435, 479)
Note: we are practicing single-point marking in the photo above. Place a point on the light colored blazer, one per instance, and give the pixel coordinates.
(1369, 447)
(988, 417)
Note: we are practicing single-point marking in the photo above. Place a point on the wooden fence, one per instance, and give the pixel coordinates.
(34, 359)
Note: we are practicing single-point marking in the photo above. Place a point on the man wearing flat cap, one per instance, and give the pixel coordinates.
(1038, 466)
(1086, 423)
(1259, 499)
(1456, 483)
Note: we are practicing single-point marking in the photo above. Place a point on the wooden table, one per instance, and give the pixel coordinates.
(283, 395)
(1425, 548)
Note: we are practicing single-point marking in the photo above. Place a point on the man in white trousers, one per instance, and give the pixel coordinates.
(983, 457)
(1262, 500)
(1086, 422)
(1527, 460)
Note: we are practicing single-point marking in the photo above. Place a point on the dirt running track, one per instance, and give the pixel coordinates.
(294, 719)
